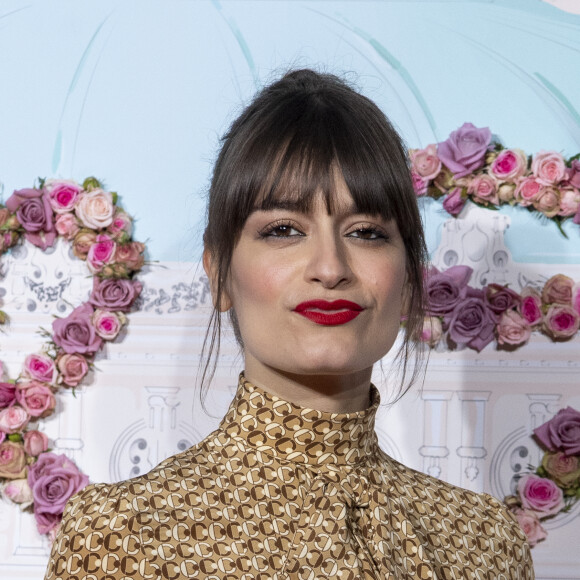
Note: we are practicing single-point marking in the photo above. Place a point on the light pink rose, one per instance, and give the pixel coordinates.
(527, 191)
(75, 333)
(483, 188)
(513, 329)
(561, 322)
(62, 194)
(531, 526)
(40, 367)
(563, 469)
(131, 255)
(121, 226)
(108, 324)
(569, 202)
(12, 460)
(95, 209)
(101, 253)
(67, 226)
(531, 305)
(549, 167)
(576, 297)
(36, 398)
(72, 368)
(548, 201)
(82, 243)
(432, 331)
(18, 491)
(561, 432)
(540, 494)
(509, 164)
(558, 290)
(425, 162)
(419, 184)
(13, 419)
(35, 442)
(506, 192)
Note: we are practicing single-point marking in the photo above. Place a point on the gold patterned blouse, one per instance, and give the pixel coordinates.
(283, 492)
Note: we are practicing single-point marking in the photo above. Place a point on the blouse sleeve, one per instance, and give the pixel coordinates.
(98, 537)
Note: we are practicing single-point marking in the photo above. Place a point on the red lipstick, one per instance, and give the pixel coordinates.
(329, 313)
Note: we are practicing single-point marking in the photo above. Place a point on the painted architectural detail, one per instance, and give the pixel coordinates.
(434, 448)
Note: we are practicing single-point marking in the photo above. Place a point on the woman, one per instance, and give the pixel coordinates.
(315, 249)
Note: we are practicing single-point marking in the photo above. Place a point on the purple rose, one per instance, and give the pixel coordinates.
(75, 333)
(34, 212)
(7, 395)
(54, 479)
(115, 294)
(540, 494)
(501, 298)
(573, 174)
(465, 149)
(446, 289)
(453, 203)
(472, 322)
(561, 432)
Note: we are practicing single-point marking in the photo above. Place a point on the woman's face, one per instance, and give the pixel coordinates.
(290, 268)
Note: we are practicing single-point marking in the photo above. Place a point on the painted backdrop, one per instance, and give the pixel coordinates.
(138, 93)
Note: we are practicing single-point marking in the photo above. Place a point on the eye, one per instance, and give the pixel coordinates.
(371, 233)
(283, 229)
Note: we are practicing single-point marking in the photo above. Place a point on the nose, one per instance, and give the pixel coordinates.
(328, 263)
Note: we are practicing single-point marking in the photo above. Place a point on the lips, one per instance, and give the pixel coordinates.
(328, 313)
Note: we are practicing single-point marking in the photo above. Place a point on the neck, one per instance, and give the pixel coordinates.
(331, 393)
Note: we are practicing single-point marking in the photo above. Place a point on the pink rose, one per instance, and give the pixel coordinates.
(12, 460)
(432, 331)
(35, 443)
(558, 290)
(465, 149)
(18, 491)
(33, 211)
(108, 324)
(501, 298)
(561, 432)
(100, 253)
(121, 226)
(75, 333)
(569, 202)
(575, 299)
(531, 526)
(472, 322)
(7, 395)
(549, 167)
(419, 184)
(540, 494)
(72, 368)
(40, 367)
(13, 419)
(54, 479)
(509, 164)
(527, 191)
(548, 201)
(561, 322)
(425, 162)
(131, 255)
(576, 219)
(67, 225)
(95, 209)
(483, 188)
(116, 295)
(62, 194)
(36, 398)
(513, 329)
(563, 469)
(572, 177)
(453, 202)
(531, 305)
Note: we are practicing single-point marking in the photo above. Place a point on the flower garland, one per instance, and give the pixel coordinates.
(460, 315)
(554, 486)
(99, 231)
(469, 165)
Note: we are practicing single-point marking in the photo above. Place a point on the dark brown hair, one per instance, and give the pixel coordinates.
(289, 142)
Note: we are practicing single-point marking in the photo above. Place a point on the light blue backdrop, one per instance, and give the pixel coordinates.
(138, 92)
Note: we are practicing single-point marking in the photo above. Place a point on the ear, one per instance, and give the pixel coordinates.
(211, 271)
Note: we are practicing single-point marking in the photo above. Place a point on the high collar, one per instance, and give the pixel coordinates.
(287, 431)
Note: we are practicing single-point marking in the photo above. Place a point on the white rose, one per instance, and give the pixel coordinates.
(95, 209)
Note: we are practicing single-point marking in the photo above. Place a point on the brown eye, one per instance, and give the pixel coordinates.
(280, 230)
(367, 234)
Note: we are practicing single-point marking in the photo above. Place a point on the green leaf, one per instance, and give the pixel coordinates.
(15, 437)
(91, 183)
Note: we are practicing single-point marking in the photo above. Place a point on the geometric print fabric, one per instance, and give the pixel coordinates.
(283, 492)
